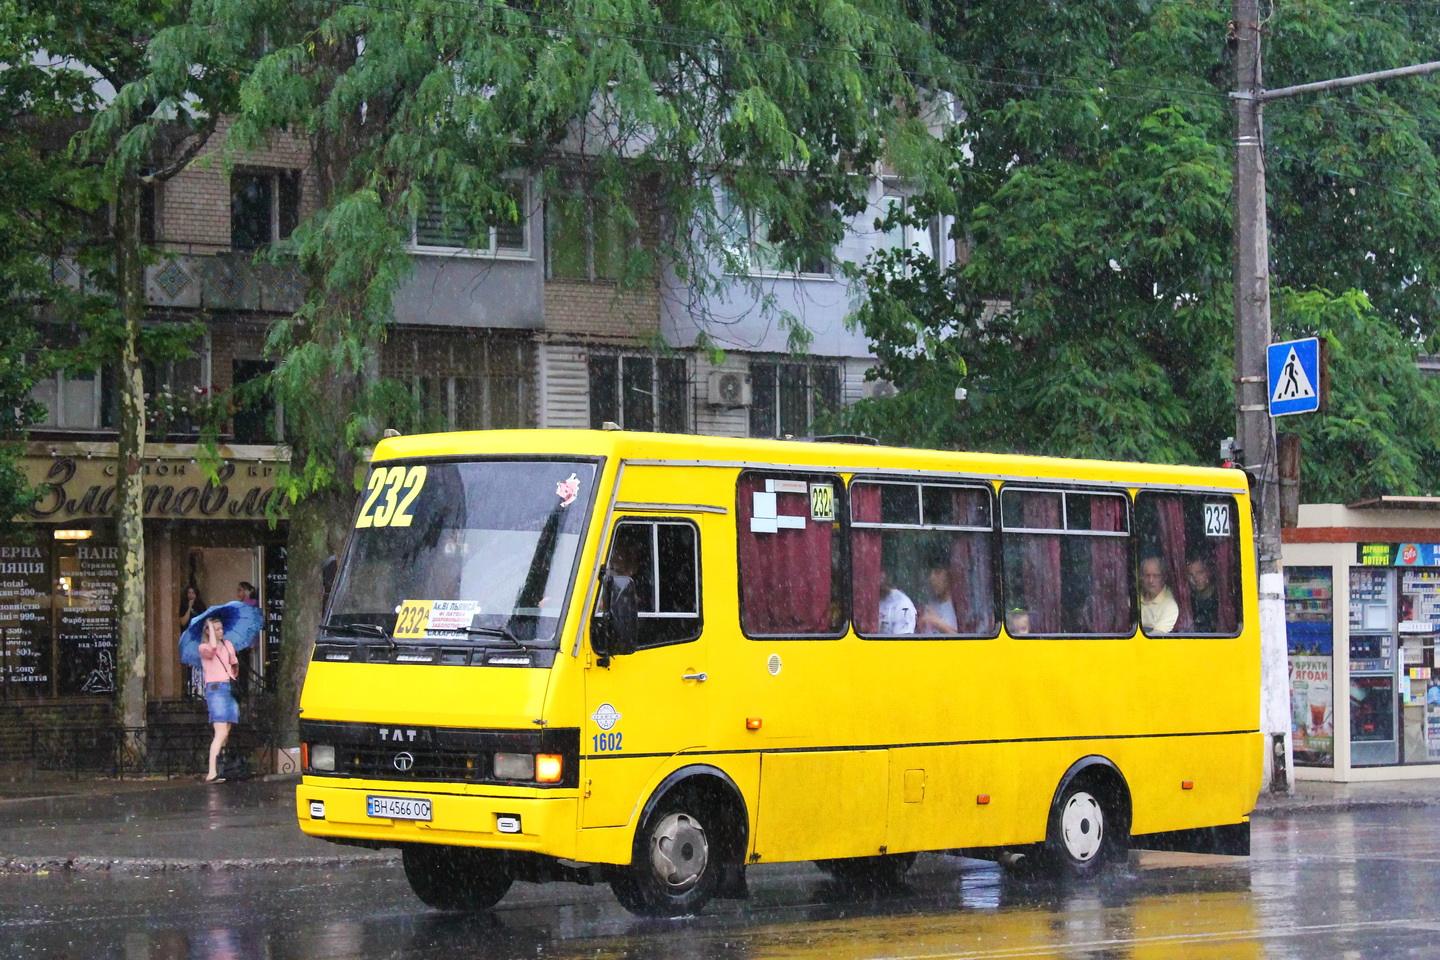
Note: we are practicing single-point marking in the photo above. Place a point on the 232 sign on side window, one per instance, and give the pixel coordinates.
(606, 742)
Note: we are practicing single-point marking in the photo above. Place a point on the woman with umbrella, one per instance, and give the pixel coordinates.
(211, 642)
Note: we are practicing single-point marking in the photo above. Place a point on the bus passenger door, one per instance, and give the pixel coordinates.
(644, 707)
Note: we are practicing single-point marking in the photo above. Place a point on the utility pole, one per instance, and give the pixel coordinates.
(1254, 426)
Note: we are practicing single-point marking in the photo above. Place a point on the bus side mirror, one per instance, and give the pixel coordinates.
(615, 629)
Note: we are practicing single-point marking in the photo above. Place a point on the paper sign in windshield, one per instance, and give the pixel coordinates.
(416, 618)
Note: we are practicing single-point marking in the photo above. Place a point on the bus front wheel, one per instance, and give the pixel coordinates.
(675, 867)
(456, 878)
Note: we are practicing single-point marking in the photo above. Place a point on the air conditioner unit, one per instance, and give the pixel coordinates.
(729, 388)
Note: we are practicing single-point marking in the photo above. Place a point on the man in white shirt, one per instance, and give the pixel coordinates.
(897, 613)
(1158, 609)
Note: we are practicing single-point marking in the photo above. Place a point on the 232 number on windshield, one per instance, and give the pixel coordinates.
(389, 496)
(606, 742)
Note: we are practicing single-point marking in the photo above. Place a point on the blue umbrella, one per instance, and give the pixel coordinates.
(241, 623)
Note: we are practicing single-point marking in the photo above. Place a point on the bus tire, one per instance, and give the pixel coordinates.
(456, 878)
(1087, 829)
(676, 862)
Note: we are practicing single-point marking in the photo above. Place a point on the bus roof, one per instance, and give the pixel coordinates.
(679, 449)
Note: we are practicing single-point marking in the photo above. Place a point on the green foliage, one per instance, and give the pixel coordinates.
(1379, 434)
(1091, 179)
(410, 102)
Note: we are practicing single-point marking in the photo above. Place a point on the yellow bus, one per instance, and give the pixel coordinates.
(653, 660)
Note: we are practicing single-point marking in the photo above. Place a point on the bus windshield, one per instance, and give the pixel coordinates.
(483, 551)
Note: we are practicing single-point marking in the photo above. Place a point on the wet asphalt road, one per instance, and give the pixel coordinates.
(1359, 884)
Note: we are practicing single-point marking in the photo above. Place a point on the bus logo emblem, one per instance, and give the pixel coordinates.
(404, 761)
(605, 716)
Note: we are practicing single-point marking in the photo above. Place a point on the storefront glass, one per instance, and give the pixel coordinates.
(57, 615)
(1310, 632)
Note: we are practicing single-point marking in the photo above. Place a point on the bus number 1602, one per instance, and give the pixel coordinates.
(606, 742)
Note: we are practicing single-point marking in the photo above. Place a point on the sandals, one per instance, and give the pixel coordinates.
(215, 779)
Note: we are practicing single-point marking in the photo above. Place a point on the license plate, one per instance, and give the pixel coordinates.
(397, 808)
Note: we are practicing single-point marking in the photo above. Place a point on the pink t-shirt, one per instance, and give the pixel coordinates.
(218, 662)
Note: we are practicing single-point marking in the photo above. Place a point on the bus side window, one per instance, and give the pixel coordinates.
(1191, 541)
(663, 558)
(790, 553)
(1066, 561)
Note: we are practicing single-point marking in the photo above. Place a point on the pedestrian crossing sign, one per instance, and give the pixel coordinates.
(1294, 368)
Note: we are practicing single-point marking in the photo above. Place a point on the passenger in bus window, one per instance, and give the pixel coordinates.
(897, 611)
(1017, 622)
(939, 614)
(1204, 600)
(1158, 609)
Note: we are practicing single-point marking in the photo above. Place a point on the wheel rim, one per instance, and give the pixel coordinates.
(679, 852)
(1082, 826)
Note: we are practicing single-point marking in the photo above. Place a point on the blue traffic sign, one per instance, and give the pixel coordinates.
(1294, 376)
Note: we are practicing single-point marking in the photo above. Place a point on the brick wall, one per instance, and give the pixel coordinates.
(601, 310)
(193, 209)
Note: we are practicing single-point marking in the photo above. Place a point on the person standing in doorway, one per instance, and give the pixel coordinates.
(191, 605)
(219, 663)
(245, 593)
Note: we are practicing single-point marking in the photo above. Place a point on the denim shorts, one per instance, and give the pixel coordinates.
(223, 708)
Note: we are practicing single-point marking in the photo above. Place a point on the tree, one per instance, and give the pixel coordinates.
(413, 101)
(138, 118)
(1091, 190)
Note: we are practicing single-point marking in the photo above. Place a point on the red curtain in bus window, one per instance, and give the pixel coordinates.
(1227, 569)
(1040, 562)
(784, 575)
(1170, 521)
(1109, 579)
(865, 558)
(972, 575)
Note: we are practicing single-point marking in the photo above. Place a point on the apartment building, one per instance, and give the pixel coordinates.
(532, 330)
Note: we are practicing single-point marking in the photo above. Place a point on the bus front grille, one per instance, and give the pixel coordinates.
(397, 763)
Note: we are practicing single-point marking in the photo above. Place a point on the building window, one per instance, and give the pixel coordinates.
(923, 239)
(464, 381)
(444, 227)
(788, 397)
(264, 207)
(73, 400)
(752, 247)
(639, 393)
(586, 239)
(179, 398)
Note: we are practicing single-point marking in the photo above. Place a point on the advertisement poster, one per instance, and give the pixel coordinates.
(1432, 719)
(24, 621)
(86, 628)
(1312, 710)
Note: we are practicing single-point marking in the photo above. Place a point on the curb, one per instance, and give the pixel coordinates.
(1286, 808)
(44, 865)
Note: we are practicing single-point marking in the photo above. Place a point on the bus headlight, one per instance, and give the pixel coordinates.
(514, 766)
(322, 757)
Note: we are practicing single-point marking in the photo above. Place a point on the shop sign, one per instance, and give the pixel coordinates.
(1312, 709)
(1399, 554)
(78, 488)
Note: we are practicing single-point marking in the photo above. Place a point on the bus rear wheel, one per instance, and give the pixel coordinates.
(456, 878)
(675, 867)
(885, 871)
(1086, 831)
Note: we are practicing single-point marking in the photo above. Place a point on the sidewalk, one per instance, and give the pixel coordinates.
(1317, 796)
(182, 824)
(145, 826)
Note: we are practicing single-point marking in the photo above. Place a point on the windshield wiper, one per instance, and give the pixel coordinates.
(502, 632)
(361, 630)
